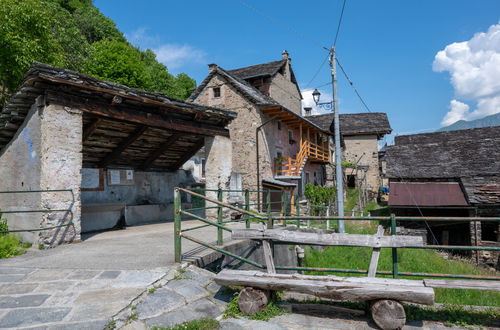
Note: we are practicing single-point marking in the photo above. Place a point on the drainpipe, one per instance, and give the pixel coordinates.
(257, 158)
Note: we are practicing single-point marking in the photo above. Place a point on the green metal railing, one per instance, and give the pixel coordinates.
(270, 219)
(68, 210)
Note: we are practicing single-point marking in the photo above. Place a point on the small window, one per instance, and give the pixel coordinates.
(216, 91)
(308, 180)
(279, 125)
(290, 137)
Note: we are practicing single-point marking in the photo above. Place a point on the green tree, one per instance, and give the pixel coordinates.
(95, 26)
(119, 62)
(26, 36)
(185, 86)
(160, 80)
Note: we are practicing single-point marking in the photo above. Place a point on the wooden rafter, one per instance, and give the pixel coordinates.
(90, 129)
(118, 112)
(137, 133)
(158, 152)
(188, 154)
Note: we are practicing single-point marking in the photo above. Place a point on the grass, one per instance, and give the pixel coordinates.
(352, 199)
(11, 246)
(201, 324)
(272, 309)
(410, 260)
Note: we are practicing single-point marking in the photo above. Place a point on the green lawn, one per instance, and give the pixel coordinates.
(410, 260)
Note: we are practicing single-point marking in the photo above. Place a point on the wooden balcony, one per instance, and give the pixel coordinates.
(293, 167)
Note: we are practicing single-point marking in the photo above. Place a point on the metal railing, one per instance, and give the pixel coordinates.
(284, 219)
(36, 210)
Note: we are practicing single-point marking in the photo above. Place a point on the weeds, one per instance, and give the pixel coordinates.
(10, 245)
(272, 309)
(202, 324)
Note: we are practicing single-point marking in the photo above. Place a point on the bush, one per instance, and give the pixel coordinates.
(320, 196)
(10, 245)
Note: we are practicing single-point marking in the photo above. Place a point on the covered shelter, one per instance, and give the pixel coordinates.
(118, 151)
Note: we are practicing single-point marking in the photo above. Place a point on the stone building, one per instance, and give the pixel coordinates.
(271, 144)
(452, 173)
(89, 154)
(360, 133)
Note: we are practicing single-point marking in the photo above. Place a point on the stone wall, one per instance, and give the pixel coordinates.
(283, 90)
(363, 149)
(20, 164)
(61, 148)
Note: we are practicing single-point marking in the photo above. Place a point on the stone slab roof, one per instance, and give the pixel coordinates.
(470, 156)
(259, 70)
(356, 123)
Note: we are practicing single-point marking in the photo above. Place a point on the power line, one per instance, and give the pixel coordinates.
(340, 22)
(281, 24)
(352, 85)
(318, 71)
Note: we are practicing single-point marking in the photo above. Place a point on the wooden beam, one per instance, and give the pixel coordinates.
(372, 270)
(463, 284)
(118, 112)
(188, 154)
(320, 238)
(123, 145)
(332, 287)
(158, 152)
(90, 129)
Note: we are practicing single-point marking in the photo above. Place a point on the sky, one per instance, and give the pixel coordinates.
(426, 63)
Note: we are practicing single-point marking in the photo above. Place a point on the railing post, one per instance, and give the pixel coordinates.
(297, 210)
(270, 221)
(394, 250)
(220, 237)
(283, 206)
(177, 225)
(247, 208)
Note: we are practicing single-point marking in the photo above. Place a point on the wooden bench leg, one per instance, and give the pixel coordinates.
(388, 314)
(252, 300)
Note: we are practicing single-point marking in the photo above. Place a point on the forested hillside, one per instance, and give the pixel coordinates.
(74, 34)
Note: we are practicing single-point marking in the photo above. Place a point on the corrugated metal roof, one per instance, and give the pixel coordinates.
(426, 194)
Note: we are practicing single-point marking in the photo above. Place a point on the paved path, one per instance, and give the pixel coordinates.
(83, 285)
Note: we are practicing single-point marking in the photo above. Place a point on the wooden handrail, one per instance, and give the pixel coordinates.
(308, 149)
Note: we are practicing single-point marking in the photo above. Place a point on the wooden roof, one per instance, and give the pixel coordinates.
(122, 126)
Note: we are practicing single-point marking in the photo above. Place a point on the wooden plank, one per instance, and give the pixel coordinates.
(117, 112)
(333, 239)
(463, 284)
(158, 152)
(372, 270)
(123, 145)
(333, 287)
(268, 253)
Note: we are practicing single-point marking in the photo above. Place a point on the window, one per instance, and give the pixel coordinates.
(308, 179)
(290, 137)
(351, 181)
(216, 91)
(279, 125)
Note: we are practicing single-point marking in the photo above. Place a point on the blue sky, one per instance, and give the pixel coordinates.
(387, 47)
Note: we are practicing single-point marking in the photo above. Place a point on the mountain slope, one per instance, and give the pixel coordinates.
(491, 120)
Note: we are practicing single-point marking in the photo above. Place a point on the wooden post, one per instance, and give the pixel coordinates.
(372, 270)
(394, 250)
(270, 223)
(283, 206)
(328, 214)
(292, 204)
(388, 314)
(247, 208)
(252, 301)
(297, 210)
(220, 237)
(177, 225)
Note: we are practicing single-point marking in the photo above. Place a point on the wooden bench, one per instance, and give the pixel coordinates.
(383, 294)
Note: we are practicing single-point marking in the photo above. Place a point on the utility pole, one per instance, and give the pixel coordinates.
(338, 151)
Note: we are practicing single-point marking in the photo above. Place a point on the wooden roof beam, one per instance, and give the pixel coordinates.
(117, 112)
(158, 152)
(123, 145)
(90, 129)
(188, 154)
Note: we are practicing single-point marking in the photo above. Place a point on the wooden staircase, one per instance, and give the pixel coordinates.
(293, 167)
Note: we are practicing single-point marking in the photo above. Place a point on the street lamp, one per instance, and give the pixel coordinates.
(327, 105)
(316, 95)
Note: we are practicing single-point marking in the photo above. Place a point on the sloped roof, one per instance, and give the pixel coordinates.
(470, 156)
(356, 123)
(258, 70)
(254, 95)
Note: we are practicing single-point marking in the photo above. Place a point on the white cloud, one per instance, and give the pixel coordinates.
(308, 101)
(474, 66)
(174, 56)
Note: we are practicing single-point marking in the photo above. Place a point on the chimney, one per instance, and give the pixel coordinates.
(212, 67)
(284, 55)
(307, 111)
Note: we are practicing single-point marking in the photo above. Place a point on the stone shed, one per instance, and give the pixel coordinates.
(114, 150)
